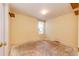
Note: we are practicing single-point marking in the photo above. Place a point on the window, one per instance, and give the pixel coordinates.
(41, 27)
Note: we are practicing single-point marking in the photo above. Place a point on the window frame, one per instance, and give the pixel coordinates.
(43, 26)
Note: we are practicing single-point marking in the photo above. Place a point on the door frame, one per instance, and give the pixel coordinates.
(6, 28)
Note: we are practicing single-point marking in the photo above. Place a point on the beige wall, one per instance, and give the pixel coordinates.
(63, 29)
(23, 29)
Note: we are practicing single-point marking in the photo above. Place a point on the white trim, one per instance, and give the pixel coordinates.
(6, 28)
(39, 1)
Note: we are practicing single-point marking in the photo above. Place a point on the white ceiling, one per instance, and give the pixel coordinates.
(33, 9)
